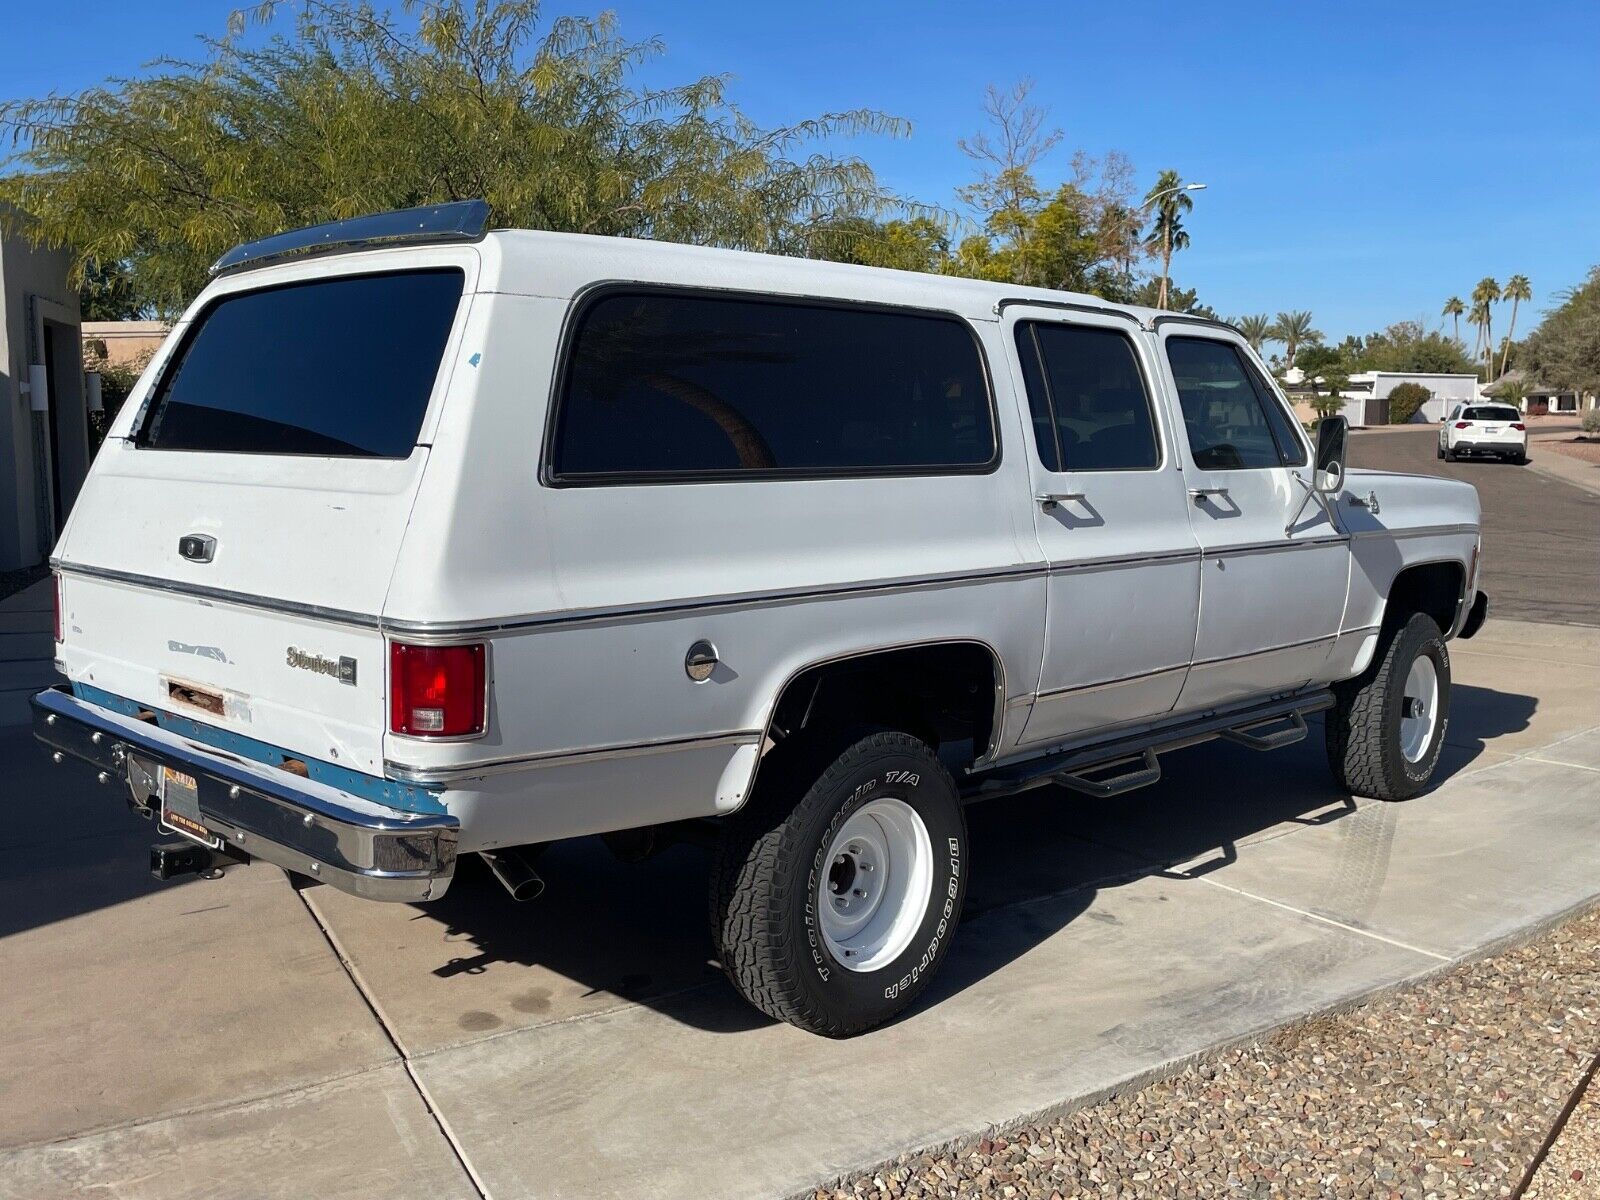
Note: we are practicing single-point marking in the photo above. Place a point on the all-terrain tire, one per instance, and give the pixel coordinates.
(772, 861)
(1363, 728)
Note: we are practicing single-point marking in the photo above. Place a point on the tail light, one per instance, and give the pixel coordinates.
(55, 592)
(1463, 424)
(437, 691)
(1519, 427)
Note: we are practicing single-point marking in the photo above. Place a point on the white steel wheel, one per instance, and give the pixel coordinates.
(878, 884)
(1419, 713)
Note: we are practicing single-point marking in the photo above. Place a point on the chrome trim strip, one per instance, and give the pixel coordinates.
(1418, 531)
(1285, 545)
(671, 608)
(1106, 683)
(1211, 662)
(455, 772)
(1111, 562)
(221, 595)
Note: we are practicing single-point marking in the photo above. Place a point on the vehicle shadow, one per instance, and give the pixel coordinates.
(638, 933)
(1038, 860)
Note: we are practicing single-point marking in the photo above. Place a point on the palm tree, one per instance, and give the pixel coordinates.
(1483, 298)
(1293, 329)
(1256, 329)
(1167, 235)
(1478, 317)
(1453, 308)
(1517, 289)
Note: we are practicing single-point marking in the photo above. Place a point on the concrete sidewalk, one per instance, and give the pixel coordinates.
(27, 649)
(1547, 461)
(238, 1037)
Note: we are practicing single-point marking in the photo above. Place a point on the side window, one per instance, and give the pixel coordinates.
(1091, 410)
(1223, 415)
(666, 385)
(1290, 448)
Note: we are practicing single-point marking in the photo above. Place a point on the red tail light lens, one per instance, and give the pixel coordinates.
(1462, 424)
(1519, 427)
(56, 593)
(436, 691)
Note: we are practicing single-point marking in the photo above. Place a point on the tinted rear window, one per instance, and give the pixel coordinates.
(666, 385)
(1490, 413)
(337, 367)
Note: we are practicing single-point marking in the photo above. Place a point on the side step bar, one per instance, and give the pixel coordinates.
(1080, 768)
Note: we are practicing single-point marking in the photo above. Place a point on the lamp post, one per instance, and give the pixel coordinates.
(1161, 195)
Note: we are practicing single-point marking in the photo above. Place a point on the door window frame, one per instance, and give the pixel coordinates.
(1249, 361)
(1115, 326)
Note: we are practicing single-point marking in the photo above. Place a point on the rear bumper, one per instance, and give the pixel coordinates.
(1501, 448)
(263, 812)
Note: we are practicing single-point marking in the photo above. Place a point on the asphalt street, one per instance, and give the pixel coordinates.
(1541, 536)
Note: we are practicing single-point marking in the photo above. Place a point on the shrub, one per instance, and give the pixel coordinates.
(1591, 420)
(1405, 400)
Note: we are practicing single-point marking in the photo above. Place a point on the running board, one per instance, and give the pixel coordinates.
(1077, 767)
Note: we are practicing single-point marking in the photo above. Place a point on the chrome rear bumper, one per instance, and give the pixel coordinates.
(259, 811)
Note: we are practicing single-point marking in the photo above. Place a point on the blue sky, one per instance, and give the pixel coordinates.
(1363, 160)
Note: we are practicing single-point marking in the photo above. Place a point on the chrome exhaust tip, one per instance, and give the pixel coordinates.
(515, 873)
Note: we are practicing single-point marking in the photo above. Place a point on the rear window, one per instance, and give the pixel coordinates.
(335, 367)
(1488, 412)
(663, 386)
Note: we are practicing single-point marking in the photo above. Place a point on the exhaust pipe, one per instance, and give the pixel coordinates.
(515, 873)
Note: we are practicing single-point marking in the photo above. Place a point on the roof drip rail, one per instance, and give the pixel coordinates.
(457, 221)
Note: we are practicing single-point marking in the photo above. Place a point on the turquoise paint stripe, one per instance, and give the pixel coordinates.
(403, 796)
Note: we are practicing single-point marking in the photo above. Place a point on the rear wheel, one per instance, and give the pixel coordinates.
(1386, 730)
(1448, 454)
(837, 888)
(1439, 450)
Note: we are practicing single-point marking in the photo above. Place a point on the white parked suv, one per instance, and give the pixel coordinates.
(1479, 427)
(416, 541)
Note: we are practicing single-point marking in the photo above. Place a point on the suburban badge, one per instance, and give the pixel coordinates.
(343, 668)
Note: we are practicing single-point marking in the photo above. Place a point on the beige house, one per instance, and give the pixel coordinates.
(123, 343)
(44, 429)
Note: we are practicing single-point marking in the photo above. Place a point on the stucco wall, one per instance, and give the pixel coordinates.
(25, 514)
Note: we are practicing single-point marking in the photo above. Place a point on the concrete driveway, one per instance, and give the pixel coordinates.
(241, 1037)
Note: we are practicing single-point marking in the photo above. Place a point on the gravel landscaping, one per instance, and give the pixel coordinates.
(1443, 1089)
(1586, 449)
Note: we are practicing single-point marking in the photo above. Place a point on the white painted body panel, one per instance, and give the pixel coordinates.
(589, 597)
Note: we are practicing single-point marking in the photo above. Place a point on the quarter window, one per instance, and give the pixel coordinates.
(339, 367)
(665, 385)
(1091, 411)
(1231, 418)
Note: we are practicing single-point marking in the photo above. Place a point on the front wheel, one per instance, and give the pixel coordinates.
(1386, 730)
(837, 889)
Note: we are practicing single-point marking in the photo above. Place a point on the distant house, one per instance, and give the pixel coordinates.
(124, 343)
(44, 430)
(1541, 400)
(1366, 399)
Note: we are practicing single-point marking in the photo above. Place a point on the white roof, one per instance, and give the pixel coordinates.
(559, 264)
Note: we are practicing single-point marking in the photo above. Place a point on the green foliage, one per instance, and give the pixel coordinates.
(1407, 346)
(357, 110)
(1183, 300)
(1564, 351)
(108, 293)
(1591, 420)
(1293, 329)
(1257, 329)
(116, 382)
(1405, 400)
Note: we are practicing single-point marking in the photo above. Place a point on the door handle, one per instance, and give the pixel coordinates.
(1199, 494)
(1048, 500)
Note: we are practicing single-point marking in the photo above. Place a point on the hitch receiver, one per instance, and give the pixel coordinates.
(168, 860)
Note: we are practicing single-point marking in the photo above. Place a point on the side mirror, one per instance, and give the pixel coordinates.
(1333, 437)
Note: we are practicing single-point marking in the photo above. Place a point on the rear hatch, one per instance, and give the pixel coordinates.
(1489, 423)
(230, 552)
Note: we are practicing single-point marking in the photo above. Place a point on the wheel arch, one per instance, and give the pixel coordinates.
(933, 669)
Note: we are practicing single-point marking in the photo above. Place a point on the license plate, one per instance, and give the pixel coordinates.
(180, 808)
(1491, 429)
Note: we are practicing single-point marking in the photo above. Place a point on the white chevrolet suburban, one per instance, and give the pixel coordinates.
(417, 540)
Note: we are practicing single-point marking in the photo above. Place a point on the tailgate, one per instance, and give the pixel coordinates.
(230, 552)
